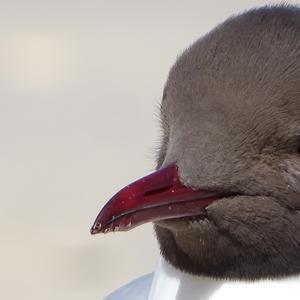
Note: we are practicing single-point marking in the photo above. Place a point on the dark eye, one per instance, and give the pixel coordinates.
(297, 145)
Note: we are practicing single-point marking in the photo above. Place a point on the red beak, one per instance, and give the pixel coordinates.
(155, 197)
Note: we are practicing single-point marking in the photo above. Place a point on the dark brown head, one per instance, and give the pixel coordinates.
(231, 124)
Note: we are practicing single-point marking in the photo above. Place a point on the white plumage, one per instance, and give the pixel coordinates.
(168, 283)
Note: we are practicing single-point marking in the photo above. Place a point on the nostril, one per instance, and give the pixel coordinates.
(158, 190)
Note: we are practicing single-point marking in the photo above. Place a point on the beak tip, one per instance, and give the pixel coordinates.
(96, 228)
(92, 231)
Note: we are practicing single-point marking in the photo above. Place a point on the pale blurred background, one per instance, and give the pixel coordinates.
(80, 82)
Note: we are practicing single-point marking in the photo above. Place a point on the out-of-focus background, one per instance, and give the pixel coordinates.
(80, 82)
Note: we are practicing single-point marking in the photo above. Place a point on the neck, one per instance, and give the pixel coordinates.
(172, 284)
